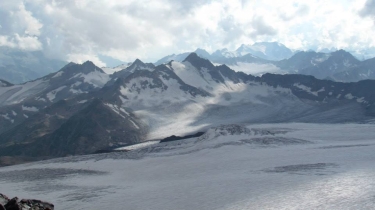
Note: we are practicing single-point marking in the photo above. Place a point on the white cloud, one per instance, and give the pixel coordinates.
(20, 28)
(27, 22)
(368, 9)
(27, 42)
(149, 30)
(81, 58)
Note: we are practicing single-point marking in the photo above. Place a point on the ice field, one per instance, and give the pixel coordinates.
(266, 166)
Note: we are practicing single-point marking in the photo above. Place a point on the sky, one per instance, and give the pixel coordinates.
(98, 30)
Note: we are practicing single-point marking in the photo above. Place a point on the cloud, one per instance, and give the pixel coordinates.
(261, 28)
(231, 29)
(151, 29)
(368, 9)
(296, 11)
(81, 58)
(19, 29)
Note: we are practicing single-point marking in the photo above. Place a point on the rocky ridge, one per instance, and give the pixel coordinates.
(24, 204)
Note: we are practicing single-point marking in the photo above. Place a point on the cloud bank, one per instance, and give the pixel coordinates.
(77, 30)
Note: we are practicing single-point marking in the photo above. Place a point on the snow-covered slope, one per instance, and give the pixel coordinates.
(73, 78)
(176, 95)
(18, 102)
(184, 97)
(325, 167)
(137, 65)
(177, 98)
(109, 70)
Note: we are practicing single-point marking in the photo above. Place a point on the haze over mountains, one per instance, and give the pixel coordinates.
(17, 66)
(81, 109)
(257, 59)
(273, 57)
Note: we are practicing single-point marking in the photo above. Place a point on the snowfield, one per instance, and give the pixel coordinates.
(262, 166)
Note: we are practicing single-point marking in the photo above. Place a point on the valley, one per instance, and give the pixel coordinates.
(275, 166)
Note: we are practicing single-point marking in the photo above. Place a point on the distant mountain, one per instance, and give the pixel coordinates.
(109, 70)
(173, 57)
(362, 71)
(180, 57)
(339, 66)
(273, 51)
(129, 69)
(21, 66)
(81, 110)
(247, 58)
(273, 57)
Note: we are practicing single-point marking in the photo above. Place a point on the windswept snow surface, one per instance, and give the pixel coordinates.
(270, 166)
(109, 70)
(95, 78)
(17, 93)
(172, 111)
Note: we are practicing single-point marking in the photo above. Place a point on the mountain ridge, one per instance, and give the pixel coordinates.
(176, 98)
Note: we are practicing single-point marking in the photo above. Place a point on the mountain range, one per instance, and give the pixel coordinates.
(256, 59)
(272, 57)
(271, 51)
(82, 110)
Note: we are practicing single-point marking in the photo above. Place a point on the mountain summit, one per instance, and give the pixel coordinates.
(198, 62)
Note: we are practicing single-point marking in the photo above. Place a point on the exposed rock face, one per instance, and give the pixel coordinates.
(3, 199)
(24, 204)
(225, 130)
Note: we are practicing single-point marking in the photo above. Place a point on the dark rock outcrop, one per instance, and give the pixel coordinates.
(16, 204)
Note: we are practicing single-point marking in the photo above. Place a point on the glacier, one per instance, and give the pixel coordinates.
(253, 166)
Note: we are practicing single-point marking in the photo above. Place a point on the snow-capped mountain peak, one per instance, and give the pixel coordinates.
(266, 50)
(137, 65)
(202, 53)
(198, 62)
(109, 70)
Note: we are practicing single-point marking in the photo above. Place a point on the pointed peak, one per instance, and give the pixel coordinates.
(135, 65)
(199, 50)
(88, 63)
(202, 53)
(69, 65)
(342, 53)
(191, 57)
(138, 62)
(85, 67)
(198, 62)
